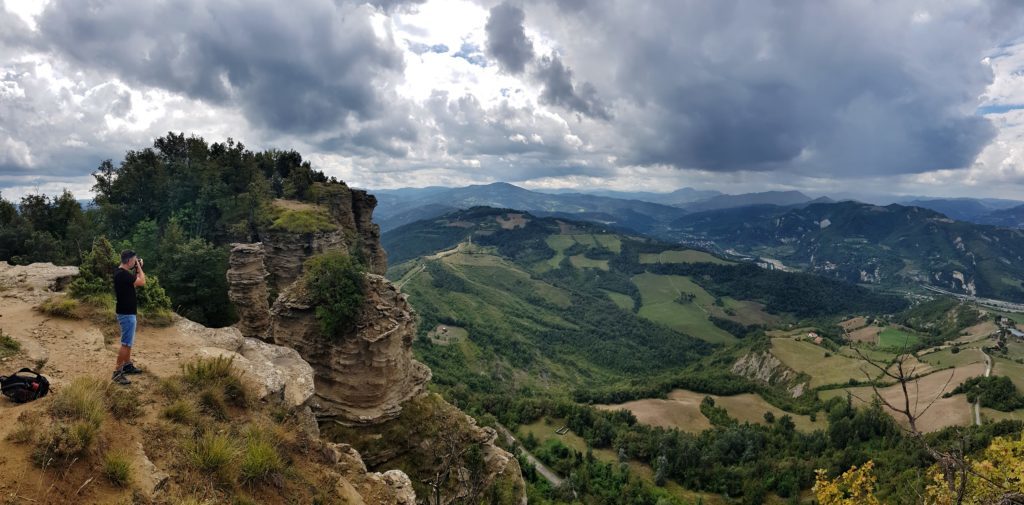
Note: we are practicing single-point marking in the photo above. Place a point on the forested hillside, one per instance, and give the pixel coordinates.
(178, 204)
(857, 242)
(534, 321)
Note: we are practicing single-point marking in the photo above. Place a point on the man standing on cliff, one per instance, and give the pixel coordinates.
(125, 282)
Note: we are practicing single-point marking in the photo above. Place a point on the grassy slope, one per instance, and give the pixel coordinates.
(659, 294)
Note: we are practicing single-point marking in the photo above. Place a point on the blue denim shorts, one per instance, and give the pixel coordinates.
(127, 322)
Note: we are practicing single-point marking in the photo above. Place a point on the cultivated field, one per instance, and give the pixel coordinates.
(564, 241)
(682, 256)
(660, 294)
(581, 261)
(854, 323)
(682, 410)
(625, 302)
(952, 411)
(892, 337)
(946, 358)
(866, 334)
(809, 358)
(980, 331)
(1011, 369)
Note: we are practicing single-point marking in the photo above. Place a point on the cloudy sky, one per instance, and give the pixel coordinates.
(921, 97)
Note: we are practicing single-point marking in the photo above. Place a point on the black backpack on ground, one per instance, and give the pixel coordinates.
(22, 387)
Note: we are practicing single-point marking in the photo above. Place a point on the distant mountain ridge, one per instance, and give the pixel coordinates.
(643, 212)
(866, 243)
(403, 206)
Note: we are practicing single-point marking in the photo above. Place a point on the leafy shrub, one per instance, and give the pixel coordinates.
(96, 270)
(60, 306)
(152, 297)
(117, 468)
(335, 283)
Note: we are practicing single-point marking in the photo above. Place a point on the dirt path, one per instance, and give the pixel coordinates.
(988, 373)
(542, 469)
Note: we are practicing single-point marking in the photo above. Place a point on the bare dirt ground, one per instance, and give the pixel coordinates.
(868, 334)
(854, 323)
(63, 350)
(980, 331)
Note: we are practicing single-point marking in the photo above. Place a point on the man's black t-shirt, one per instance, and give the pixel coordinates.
(124, 289)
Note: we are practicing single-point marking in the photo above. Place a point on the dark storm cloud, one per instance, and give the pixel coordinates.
(826, 88)
(292, 67)
(392, 5)
(558, 89)
(506, 38)
(507, 42)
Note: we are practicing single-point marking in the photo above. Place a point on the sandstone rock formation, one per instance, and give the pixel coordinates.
(366, 375)
(247, 279)
(359, 486)
(278, 372)
(34, 282)
(286, 253)
(366, 380)
(427, 431)
(352, 211)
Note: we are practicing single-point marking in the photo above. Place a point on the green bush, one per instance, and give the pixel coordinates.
(152, 297)
(335, 284)
(117, 468)
(95, 273)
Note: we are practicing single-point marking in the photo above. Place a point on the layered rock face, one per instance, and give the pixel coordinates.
(366, 380)
(352, 211)
(247, 281)
(365, 375)
(764, 367)
(286, 253)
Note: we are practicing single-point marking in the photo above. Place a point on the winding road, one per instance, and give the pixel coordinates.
(543, 470)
